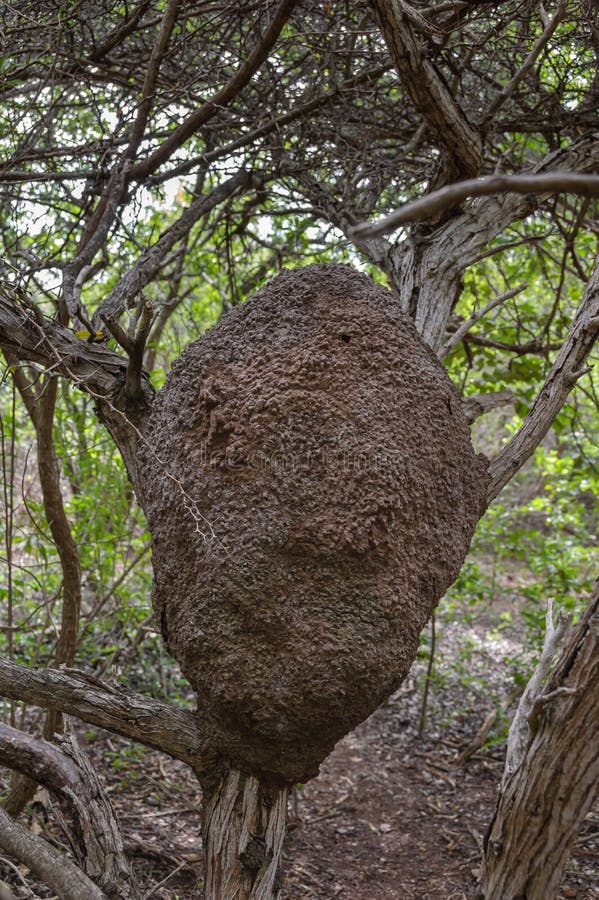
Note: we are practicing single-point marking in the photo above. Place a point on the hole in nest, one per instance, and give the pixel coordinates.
(345, 338)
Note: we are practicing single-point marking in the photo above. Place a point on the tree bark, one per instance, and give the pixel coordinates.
(243, 830)
(544, 802)
(54, 869)
(69, 775)
(111, 706)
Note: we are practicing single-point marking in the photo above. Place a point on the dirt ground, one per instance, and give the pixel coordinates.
(391, 817)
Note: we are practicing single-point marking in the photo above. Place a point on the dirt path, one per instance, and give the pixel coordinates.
(391, 817)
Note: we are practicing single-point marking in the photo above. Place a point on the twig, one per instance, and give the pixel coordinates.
(569, 365)
(164, 881)
(528, 63)
(465, 327)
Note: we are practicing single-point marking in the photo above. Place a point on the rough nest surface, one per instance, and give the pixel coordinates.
(312, 492)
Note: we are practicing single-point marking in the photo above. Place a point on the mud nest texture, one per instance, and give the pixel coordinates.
(312, 492)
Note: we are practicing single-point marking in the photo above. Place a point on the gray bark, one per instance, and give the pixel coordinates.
(542, 806)
(111, 706)
(59, 873)
(68, 774)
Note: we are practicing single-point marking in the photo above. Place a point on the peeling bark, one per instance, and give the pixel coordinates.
(243, 829)
(545, 801)
(68, 774)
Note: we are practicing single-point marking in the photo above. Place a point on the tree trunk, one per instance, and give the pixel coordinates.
(544, 802)
(243, 830)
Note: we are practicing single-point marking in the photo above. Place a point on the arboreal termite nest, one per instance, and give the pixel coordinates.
(312, 492)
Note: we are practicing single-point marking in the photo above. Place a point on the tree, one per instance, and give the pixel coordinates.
(143, 138)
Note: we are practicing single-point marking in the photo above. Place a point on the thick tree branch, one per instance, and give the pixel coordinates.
(114, 707)
(69, 775)
(447, 197)
(545, 799)
(427, 87)
(520, 729)
(567, 368)
(28, 335)
(427, 273)
(476, 405)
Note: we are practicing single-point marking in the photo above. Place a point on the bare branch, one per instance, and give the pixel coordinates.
(465, 327)
(476, 405)
(147, 95)
(520, 731)
(275, 124)
(222, 97)
(427, 87)
(453, 194)
(52, 867)
(128, 288)
(567, 368)
(114, 707)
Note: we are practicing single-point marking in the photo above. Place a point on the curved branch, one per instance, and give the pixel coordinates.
(69, 775)
(59, 873)
(447, 197)
(111, 706)
(428, 273)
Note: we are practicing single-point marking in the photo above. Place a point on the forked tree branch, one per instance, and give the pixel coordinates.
(148, 264)
(568, 367)
(220, 99)
(111, 706)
